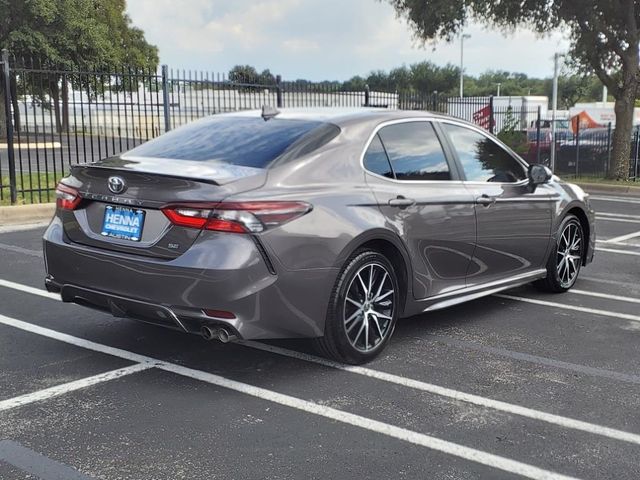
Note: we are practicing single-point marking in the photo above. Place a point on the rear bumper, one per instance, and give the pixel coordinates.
(223, 272)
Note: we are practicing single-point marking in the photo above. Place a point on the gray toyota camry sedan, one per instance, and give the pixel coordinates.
(327, 224)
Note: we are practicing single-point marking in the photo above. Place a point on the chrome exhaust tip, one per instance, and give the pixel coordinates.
(208, 333)
(225, 336)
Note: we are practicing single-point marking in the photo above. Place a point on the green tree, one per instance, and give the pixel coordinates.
(244, 74)
(604, 34)
(427, 77)
(267, 78)
(378, 80)
(400, 78)
(72, 35)
(354, 84)
(571, 89)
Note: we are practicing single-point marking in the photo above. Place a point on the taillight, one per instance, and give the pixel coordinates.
(67, 198)
(236, 217)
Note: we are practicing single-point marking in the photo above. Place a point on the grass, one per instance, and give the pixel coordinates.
(26, 181)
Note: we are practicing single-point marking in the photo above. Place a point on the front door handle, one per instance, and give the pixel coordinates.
(401, 201)
(486, 200)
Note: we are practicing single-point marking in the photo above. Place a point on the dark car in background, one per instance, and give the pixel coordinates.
(539, 140)
(584, 154)
(324, 224)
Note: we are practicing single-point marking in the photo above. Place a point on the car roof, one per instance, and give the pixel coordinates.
(343, 116)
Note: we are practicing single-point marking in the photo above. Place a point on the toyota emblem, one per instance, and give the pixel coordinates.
(117, 185)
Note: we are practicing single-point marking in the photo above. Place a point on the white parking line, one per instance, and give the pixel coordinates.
(28, 289)
(535, 359)
(609, 282)
(621, 244)
(608, 296)
(613, 219)
(403, 434)
(455, 394)
(623, 238)
(614, 250)
(71, 386)
(620, 215)
(595, 311)
(452, 394)
(615, 199)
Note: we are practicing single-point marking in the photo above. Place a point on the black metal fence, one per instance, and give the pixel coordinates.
(54, 118)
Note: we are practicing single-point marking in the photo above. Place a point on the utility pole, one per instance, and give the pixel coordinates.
(554, 107)
(462, 38)
(498, 93)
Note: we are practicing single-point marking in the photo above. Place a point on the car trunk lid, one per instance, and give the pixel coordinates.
(142, 187)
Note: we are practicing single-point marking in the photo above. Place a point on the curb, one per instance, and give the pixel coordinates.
(630, 190)
(25, 214)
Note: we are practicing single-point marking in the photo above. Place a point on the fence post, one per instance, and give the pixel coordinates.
(165, 98)
(491, 120)
(636, 152)
(538, 121)
(6, 79)
(577, 144)
(278, 91)
(606, 173)
(367, 93)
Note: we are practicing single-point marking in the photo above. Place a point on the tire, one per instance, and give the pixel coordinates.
(352, 334)
(565, 261)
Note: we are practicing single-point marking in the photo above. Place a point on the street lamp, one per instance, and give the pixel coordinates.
(462, 38)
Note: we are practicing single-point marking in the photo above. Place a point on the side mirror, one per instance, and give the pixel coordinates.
(539, 174)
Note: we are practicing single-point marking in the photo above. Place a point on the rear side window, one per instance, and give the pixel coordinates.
(376, 160)
(482, 159)
(238, 140)
(415, 151)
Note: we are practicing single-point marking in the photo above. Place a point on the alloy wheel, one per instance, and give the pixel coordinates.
(369, 307)
(569, 254)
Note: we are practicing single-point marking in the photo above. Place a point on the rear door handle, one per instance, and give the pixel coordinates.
(486, 200)
(401, 202)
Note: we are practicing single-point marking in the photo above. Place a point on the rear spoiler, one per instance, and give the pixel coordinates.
(209, 171)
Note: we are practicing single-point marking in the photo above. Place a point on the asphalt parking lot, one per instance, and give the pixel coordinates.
(510, 386)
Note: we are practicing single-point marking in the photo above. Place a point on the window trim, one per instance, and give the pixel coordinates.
(484, 133)
(444, 143)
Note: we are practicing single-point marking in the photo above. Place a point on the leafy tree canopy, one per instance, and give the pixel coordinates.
(604, 35)
(74, 33)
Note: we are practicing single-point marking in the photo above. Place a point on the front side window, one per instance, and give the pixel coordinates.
(482, 159)
(415, 152)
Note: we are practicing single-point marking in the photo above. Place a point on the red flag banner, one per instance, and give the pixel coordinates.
(482, 117)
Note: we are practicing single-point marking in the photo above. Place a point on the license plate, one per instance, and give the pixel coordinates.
(123, 222)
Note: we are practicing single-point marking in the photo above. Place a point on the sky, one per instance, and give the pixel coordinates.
(322, 39)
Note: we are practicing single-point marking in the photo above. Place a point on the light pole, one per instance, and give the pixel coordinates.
(462, 37)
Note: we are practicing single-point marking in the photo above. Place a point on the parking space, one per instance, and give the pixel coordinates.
(520, 384)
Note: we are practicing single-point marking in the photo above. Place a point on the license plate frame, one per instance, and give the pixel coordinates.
(123, 223)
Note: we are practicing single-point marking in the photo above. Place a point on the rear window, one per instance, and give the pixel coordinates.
(245, 141)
